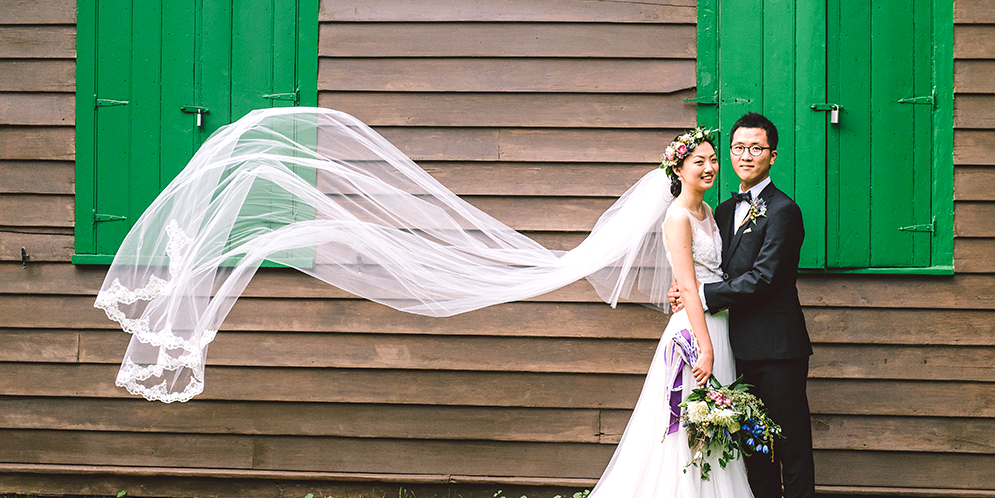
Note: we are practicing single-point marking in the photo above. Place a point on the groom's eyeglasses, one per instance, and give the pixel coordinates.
(755, 150)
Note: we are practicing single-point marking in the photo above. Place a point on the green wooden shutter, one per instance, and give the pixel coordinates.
(144, 70)
(769, 63)
(875, 189)
(264, 74)
(880, 154)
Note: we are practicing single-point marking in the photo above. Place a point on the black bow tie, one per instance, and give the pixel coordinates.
(745, 196)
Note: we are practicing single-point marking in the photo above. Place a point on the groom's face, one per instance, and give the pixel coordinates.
(752, 170)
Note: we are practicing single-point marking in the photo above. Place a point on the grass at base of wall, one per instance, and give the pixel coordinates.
(181, 487)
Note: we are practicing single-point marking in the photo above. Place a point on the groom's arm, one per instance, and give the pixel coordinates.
(781, 245)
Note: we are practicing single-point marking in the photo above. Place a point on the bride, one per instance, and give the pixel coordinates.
(317, 190)
(651, 458)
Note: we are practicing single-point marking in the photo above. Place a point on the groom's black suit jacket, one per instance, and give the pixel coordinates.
(760, 268)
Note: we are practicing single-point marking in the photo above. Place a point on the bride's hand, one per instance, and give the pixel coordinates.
(674, 296)
(702, 369)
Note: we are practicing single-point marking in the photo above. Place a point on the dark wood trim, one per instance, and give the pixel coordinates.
(36, 210)
(44, 478)
(51, 75)
(974, 111)
(516, 75)
(507, 39)
(973, 12)
(417, 387)
(675, 11)
(973, 76)
(57, 143)
(42, 246)
(971, 147)
(549, 110)
(37, 177)
(38, 11)
(37, 109)
(974, 41)
(974, 255)
(974, 183)
(357, 420)
(529, 145)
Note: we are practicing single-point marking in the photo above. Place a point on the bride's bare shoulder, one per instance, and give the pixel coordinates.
(678, 220)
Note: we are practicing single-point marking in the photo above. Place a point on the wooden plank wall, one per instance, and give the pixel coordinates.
(539, 113)
(902, 384)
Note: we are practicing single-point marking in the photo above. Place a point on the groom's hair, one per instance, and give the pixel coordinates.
(757, 120)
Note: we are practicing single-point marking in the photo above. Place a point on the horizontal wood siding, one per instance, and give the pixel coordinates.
(540, 113)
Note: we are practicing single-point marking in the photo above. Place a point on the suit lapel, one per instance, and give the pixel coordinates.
(734, 243)
(725, 217)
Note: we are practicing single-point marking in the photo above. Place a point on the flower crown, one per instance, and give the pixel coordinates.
(679, 149)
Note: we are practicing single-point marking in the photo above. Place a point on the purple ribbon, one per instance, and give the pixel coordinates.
(682, 351)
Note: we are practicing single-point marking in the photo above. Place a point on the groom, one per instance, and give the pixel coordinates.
(762, 236)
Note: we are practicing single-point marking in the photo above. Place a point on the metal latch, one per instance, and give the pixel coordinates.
(928, 227)
(199, 110)
(290, 97)
(927, 99)
(712, 99)
(834, 111)
(107, 102)
(97, 217)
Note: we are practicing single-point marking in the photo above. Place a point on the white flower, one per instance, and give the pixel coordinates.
(697, 411)
(724, 417)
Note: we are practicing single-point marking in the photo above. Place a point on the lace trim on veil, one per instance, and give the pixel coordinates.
(323, 183)
(110, 299)
(133, 376)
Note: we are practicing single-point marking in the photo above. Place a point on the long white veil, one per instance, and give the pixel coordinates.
(319, 191)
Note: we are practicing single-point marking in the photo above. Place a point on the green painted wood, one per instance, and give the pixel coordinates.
(849, 183)
(770, 65)
(777, 100)
(146, 114)
(922, 124)
(85, 90)
(882, 160)
(869, 185)
(741, 59)
(214, 45)
(891, 189)
(708, 81)
(177, 76)
(809, 146)
(264, 76)
(113, 134)
(154, 61)
(942, 250)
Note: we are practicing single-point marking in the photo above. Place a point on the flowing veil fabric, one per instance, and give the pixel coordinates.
(317, 190)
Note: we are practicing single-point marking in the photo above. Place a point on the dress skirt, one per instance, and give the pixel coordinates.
(650, 463)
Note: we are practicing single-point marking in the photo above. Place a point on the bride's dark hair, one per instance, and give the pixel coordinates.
(675, 181)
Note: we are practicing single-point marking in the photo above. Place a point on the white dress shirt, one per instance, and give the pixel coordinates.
(743, 208)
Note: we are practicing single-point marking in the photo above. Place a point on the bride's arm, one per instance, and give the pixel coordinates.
(677, 229)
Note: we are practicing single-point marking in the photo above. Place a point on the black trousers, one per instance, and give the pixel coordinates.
(781, 386)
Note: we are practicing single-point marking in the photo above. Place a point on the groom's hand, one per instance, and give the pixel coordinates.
(674, 296)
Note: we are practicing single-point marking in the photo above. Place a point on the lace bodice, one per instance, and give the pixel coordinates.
(706, 245)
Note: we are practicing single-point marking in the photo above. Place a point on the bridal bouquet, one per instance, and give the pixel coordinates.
(728, 421)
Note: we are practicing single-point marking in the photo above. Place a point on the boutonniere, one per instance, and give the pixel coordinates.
(758, 208)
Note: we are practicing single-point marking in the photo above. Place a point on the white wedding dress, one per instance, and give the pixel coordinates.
(648, 461)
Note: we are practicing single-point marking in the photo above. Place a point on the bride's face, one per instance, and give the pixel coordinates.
(698, 170)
